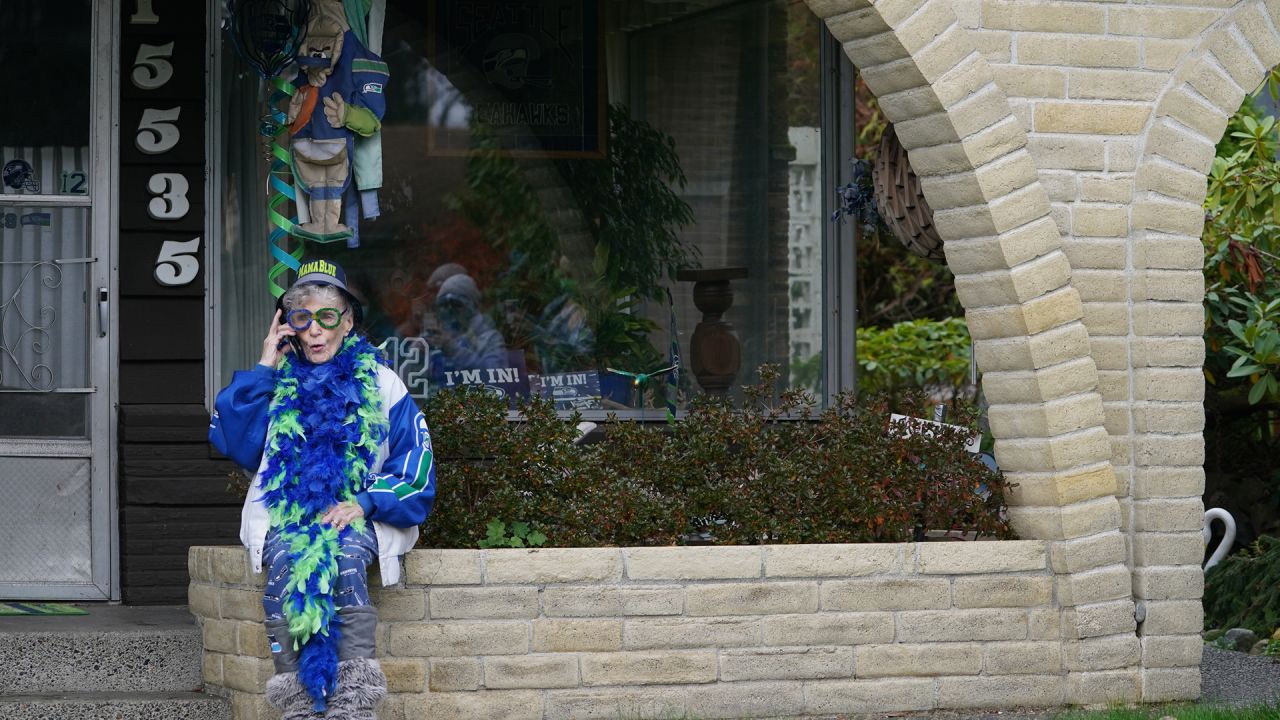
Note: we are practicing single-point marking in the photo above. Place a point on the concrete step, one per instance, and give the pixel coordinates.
(138, 649)
(115, 706)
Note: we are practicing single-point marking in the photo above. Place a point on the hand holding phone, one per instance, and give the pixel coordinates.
(281, 338)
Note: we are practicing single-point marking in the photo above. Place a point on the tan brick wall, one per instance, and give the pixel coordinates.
(980, 147)
(1119, 106)
(707, 631)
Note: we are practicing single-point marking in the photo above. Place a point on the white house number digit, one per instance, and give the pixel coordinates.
(144, 14)
(170, 201)
(178, 263)
(152, 69)
(156, 130)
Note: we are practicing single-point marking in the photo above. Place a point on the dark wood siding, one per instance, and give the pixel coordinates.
(175, 492)
(173, 487)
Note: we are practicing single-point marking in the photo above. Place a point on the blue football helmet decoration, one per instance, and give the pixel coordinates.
(268, 33)
(19, 175)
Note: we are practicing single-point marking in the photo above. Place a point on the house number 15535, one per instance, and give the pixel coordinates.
(157, 133)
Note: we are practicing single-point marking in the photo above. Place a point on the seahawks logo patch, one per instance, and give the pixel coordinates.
(373, 88)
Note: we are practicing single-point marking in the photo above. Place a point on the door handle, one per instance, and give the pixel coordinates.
(103, 308)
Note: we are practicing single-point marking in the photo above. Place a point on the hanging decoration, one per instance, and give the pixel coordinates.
(268, 34)
(900, 200)
(673, 378)
(340, 95)
(280, 190)
(638, 381)
(336, 94)
(856, 200)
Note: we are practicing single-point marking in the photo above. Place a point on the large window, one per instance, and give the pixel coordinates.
(564, 183)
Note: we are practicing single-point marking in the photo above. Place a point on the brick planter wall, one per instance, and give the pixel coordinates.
(712, 632)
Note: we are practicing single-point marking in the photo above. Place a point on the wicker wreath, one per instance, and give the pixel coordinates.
(900, 201)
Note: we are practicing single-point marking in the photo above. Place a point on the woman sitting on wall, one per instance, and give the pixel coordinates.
(344, 474)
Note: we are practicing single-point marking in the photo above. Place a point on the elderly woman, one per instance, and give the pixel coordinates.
(344, 474)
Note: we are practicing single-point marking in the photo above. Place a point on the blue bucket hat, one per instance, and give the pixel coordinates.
(324, 272)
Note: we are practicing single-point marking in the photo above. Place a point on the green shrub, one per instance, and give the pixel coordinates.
(498, 535)
(1244, 589)
(772, 471)
(913, 354)
(491, 469)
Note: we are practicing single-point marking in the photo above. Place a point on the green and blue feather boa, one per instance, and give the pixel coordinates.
(326, 422)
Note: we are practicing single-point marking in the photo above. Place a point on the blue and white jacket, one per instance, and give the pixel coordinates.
(398, 495)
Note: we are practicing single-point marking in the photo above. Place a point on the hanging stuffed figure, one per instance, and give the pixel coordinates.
(339, 96)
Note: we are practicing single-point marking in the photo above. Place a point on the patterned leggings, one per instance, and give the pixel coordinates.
(356, 551)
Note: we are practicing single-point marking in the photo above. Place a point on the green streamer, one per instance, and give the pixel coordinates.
(281, 190)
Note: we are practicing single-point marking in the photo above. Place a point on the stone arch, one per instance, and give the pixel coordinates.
(1166, 343)
(1014, 282)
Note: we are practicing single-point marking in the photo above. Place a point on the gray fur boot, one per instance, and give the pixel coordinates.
(361, 685)
(286, 693)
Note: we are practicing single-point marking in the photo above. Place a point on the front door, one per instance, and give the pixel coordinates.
(56, 496)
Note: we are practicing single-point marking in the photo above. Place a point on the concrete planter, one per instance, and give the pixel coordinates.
(746, 631)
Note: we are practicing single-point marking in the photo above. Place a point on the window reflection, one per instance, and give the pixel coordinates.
(522, 249)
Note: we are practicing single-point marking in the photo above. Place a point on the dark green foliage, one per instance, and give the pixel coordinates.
(1244, 589)
(893, 285)
(913, 354)
(491, 469)
(804, 55)
(774, 471)
(1242, 319)
(632, 207)
(1242, 298)
(587, 240)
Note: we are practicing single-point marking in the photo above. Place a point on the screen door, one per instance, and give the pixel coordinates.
(55, 304)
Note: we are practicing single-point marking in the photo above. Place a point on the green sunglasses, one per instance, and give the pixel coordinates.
(300, 318)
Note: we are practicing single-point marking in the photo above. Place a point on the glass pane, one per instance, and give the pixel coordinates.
(805, 191)
(45, 65)
(43, 415)
(44, 520)
(546, 176)
(43, 302)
